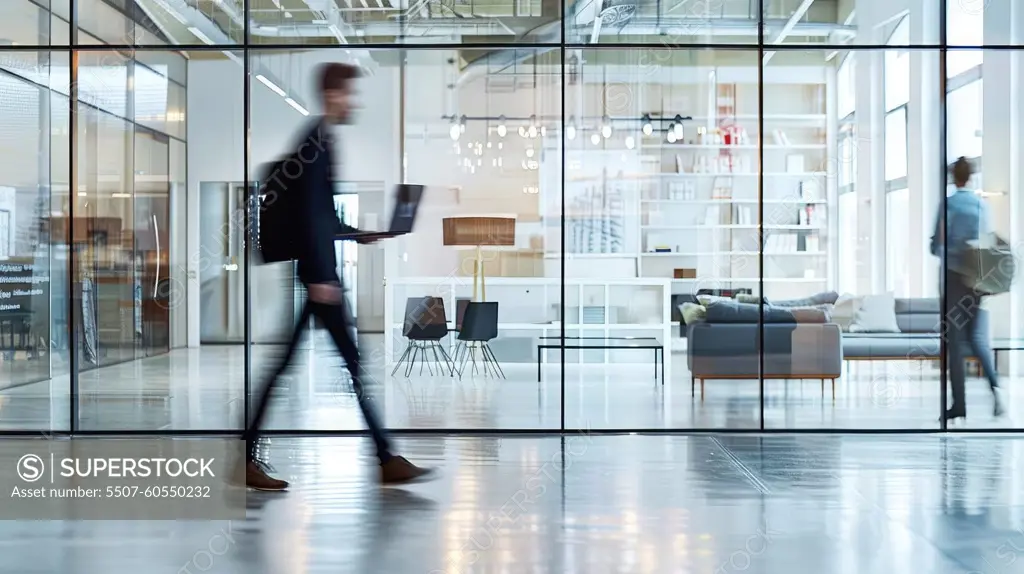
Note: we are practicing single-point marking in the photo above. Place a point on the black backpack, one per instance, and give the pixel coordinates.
(276, 211)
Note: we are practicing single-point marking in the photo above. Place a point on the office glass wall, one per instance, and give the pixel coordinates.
(694, 215)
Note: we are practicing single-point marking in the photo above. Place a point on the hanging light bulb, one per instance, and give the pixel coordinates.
(606, 129)
(671, 136)
(595, 139)
(529, 152)
(454, 131)
(648, 128)
(462, 124)
(570, 128)
(502, 130)
(679, 127)
(543, 131)
(630, 142)
(532, 130)
(522, 131)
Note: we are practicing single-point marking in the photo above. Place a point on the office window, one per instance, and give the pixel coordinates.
(897, 69)
(897, 213)
(964, 28)
(847, 243)
(846, 86)
(964, 121)
(896, 144)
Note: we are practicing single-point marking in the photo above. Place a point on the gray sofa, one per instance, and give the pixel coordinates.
(726, 347)
(796, 346)
(919, 321)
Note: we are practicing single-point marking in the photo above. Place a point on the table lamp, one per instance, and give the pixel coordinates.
(479, 232)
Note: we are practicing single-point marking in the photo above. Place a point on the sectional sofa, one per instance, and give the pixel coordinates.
(800, 344)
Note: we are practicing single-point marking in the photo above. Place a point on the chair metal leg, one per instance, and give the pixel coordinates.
(401, 359)
(494, 360)
(412, 361)
(465, 358)
(447, 361)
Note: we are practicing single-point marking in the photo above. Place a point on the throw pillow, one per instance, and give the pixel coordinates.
(877, 314)
(729, 311)
(845, 310)
(692, 313)
(826, 298)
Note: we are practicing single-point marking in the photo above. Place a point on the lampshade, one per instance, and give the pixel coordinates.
(480, 231)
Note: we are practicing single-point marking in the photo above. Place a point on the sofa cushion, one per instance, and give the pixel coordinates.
(729, 311)
(919, 323)
(877, 314)
(826, 298)
(890, 347)
(815, 314)
(927, 305)
(707, 299)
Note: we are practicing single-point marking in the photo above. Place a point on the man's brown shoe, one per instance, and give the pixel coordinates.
(257, 479)
(397, 470)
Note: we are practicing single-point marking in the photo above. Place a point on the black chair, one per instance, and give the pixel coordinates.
(425, 326)
(479, 326)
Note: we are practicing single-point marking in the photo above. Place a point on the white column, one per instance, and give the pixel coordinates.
(1002, 124)
(870, 177)
(924, 156)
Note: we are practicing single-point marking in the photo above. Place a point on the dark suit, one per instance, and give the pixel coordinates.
(312, 195)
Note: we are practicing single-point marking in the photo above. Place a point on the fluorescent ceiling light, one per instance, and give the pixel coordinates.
(287, 14)
(234, 58)
(268, 28)
(320, 22)
(199, 34)
(273, 87)
(298, 107)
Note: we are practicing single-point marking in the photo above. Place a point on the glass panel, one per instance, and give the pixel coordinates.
(964, 111)
(152, 243)
(26, 23)
(965, 24)
(876, 258)
(846, 86)
(663, 25)
(383, 22)
(103, 241)
(897, 272)
(847, 22)
(991, 108)
(29, 276)
(103, 81)
(159, 103)
(896, 144)
(485, 143)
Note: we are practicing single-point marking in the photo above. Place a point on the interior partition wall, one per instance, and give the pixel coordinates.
(656, 159)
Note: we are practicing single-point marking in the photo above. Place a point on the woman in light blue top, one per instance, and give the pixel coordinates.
(966, 219)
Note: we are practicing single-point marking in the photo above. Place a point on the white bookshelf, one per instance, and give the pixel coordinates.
(697, 201)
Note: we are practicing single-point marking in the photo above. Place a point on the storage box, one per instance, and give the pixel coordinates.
(684, 273)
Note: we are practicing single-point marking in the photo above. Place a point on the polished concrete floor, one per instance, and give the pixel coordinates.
(777, 504)
(203, 389)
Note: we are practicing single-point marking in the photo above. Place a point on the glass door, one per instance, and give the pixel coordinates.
(151, 323)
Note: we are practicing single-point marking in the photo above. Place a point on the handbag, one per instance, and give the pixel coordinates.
(988, 269)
